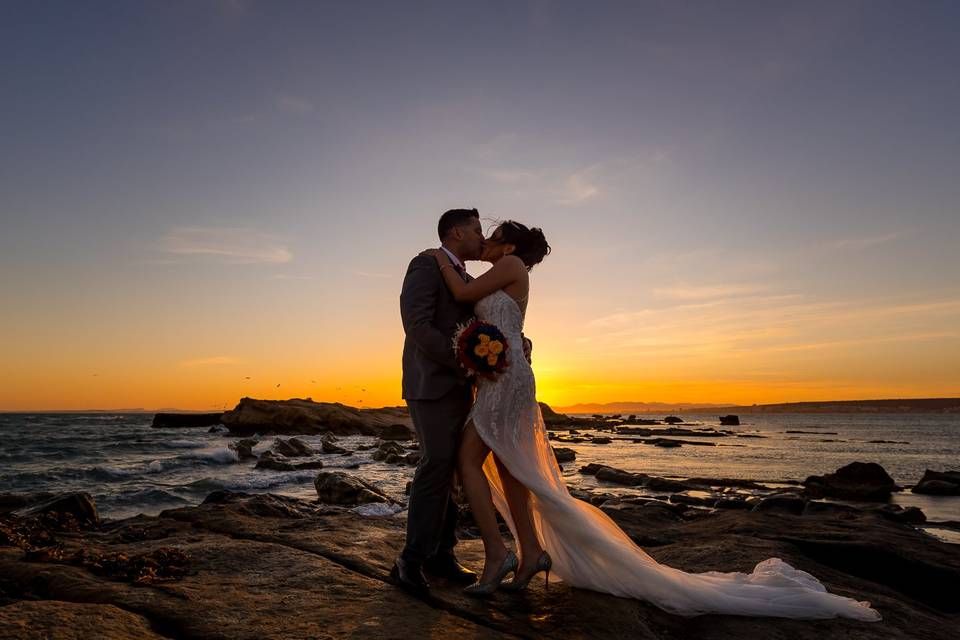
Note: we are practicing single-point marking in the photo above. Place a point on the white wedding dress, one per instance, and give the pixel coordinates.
(588, 549)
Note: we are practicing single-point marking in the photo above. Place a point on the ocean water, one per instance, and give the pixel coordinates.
(904, 444)
(130, 467)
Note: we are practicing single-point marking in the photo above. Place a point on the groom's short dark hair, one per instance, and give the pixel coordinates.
(455, 218)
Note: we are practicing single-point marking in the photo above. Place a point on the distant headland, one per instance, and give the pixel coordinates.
(905, 405)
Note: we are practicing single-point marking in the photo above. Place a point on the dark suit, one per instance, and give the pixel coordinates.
(439, 396)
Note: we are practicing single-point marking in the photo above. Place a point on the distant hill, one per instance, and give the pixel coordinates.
(905, 405)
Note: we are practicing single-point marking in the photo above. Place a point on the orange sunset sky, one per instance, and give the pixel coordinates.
(215, 200)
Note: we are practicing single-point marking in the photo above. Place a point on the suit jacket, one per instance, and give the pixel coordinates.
(430, 317)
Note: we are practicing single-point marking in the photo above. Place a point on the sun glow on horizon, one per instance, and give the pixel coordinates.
(718, 367)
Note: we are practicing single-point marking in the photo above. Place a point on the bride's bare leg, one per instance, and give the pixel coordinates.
(473, 452)
(518, 497)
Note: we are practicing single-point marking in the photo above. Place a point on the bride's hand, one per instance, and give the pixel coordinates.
(437, 254)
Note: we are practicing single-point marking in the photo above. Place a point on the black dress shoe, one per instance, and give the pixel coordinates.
(409, 576)
(446, 566)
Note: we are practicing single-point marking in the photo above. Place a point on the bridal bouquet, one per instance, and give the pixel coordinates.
(481, 348)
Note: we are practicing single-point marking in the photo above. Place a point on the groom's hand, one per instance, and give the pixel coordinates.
(527, 349)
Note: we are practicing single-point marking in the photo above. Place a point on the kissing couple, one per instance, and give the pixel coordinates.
(491, 432)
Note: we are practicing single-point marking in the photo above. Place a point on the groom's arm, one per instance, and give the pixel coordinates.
(418, 303)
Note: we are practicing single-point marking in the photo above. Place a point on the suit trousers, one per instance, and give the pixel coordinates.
(432, 512)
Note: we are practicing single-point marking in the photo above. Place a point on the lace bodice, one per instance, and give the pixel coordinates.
(511, 394)
(500, 309)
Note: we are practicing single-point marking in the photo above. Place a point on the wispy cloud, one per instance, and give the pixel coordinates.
(722, 264)
(629, 318)
(835, 344)
(294, 104)
(566, 190)
(210, 361)
(233, 245)
(618, 319)
(740, 328)
(290, 276)
(513, 176)
(865, 242)
(371, 274)
(706, 292)
(577, 189)
(573, 186)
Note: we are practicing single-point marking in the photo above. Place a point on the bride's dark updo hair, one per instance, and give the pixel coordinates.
(531, 245)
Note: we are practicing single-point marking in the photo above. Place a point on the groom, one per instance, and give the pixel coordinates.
(439, 396)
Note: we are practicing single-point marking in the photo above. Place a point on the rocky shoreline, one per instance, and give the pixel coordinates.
(268, 566)
(247, 565)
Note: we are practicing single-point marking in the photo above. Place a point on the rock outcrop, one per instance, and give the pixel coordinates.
(78, 508)
(394, 453)
(855, 481)
(303, 416)
(274, 461)
(13, 501)
(554, 420)
(328, 445)
(396, 432)
(292, 448)
(244, 448)
(339, 488)
(939, 483)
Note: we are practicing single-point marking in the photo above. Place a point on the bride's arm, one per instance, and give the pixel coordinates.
(505, 272)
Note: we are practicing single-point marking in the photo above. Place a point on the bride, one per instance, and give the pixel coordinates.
(555, 531)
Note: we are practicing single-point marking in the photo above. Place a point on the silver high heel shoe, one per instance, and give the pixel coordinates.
(482, 589)
(544, 563)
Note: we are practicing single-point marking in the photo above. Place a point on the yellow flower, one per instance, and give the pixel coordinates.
(495, 346)
(492, 359)
(484, 338)
(481, 350)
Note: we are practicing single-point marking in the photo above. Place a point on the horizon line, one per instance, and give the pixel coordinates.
(709, 405)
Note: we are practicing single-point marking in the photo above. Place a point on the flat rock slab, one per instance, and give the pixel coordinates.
(248, 589)
(57, 620)
(266, 567)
